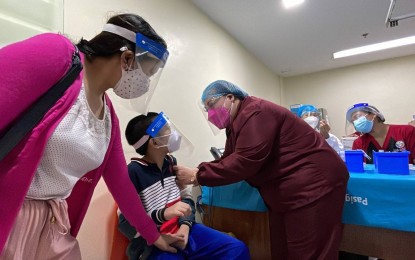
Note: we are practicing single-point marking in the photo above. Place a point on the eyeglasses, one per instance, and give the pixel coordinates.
(357, 115)
(211, 103)
(307, 114)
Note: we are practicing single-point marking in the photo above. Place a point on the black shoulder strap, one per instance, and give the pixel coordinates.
(33, 115)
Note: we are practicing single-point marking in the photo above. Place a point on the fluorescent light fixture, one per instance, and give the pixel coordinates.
(291, 3)
(375, 47)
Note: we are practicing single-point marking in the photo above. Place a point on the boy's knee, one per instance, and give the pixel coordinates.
(238, 250)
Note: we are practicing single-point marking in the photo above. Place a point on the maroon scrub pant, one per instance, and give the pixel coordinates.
(312, 232)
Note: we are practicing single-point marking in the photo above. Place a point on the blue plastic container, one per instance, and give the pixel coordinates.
(354, 161)
(391, 162)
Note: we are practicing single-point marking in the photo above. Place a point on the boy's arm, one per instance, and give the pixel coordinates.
(188, 220)
(186, 192)
(186, 195)
(158, 216)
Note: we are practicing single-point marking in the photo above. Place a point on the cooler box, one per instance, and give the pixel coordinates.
(391, 162)
(354, 160)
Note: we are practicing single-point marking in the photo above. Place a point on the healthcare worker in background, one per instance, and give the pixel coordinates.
(312, 117)
(300, 177)
(376, 135)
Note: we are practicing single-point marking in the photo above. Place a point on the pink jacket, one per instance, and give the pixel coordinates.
(27, 70)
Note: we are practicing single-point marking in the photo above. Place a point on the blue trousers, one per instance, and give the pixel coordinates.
(206, 243)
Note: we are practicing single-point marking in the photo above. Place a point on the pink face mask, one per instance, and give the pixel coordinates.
(220, 117)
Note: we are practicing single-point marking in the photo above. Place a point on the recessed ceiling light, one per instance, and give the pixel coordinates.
(375, 47)
(291, 3)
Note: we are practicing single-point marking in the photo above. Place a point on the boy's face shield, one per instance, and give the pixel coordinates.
(166, 134)
(150, 59)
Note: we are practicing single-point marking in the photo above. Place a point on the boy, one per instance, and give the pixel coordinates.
(154, 136)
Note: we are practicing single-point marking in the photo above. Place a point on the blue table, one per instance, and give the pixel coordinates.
(379, 211)
(372, 199)
(380, 200)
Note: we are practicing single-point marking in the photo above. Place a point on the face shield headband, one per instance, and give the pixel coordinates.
(365, 107)
(153, 130)
(144, 45)
(357, 124)
(159, 122)
(150, 57)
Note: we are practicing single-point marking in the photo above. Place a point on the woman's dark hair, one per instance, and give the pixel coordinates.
(136, 129)
(107, 44)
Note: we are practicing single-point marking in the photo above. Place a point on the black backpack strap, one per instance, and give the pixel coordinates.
(36, 112)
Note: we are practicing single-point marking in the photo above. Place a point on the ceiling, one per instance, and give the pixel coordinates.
(302, 40)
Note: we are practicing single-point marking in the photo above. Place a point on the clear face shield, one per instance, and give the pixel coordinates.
(168, 135)
(138, 83)
(360, 119)
(312, 118)
(216, 113)
(151, 58)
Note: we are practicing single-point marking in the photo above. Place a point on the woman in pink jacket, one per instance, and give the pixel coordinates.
(47, 180)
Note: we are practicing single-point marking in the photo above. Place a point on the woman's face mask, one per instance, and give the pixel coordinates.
(220, 117)
(363, 125)
(312, 121)
(132, 84)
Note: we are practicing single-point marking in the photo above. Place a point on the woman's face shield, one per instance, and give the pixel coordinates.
(150, 59)
(359, 111)
(350, 126)
(211, 104)
(166, 134)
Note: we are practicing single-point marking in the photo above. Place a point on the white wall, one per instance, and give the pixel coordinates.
(200, 52)
(389, 85)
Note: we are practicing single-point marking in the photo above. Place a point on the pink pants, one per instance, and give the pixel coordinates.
(41, 232)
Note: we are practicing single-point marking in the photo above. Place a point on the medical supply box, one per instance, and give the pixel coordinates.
(391, 162)
(354, 160)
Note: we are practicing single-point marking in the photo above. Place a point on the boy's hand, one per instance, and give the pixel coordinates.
(180, 209)
(164, 241)
(184, 233)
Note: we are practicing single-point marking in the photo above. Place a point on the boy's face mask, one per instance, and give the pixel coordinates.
(173, 143)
